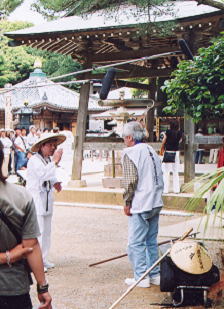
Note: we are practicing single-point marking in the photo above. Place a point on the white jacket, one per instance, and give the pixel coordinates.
(38, 173)
(148, 194)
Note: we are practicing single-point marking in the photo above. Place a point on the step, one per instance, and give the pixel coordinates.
(114, 198)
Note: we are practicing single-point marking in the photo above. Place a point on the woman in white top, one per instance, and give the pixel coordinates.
(7, 148)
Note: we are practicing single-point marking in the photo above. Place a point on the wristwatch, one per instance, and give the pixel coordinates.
(41, 289)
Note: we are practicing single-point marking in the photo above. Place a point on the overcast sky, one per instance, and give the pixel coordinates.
(24, 13)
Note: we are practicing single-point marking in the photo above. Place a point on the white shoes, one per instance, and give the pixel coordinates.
(49, 265)
(145, 283)
(155, 280)
(142, 284)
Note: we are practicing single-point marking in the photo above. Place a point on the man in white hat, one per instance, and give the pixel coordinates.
(41, 181)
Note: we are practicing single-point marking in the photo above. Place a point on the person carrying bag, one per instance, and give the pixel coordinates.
(171, 156)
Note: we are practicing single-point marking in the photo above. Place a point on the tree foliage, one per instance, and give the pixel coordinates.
(56, 65)
(77, 7)
(15, 63)
(207, 182)
(7, 6)
(198, 86)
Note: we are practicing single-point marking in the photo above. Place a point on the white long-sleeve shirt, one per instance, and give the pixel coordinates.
(41, 176)
(7, 143)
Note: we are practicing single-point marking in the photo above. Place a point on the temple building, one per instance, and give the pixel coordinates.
(51, 104)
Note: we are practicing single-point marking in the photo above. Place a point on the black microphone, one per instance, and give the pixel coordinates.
(185, 49)
(107, 83)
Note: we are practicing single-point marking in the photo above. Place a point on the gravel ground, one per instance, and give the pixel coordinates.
(82, 236)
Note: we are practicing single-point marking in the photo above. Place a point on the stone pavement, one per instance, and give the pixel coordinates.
(82, 236)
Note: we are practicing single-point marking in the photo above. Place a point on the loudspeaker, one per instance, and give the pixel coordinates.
(185, 49)
(107, 83)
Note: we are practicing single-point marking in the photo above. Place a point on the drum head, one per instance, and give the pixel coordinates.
(190, 257)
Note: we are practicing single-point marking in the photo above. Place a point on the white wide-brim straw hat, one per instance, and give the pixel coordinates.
(48, 138)
(191, 257)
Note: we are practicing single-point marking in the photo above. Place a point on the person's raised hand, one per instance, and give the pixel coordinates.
(57, 156)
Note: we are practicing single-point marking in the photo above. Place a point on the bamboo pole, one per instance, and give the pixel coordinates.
(147, 272)
(125, 254)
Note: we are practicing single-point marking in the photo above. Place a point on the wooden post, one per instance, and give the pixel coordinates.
(150, 113)
(189, 165)
(80, 135)
(113, 163)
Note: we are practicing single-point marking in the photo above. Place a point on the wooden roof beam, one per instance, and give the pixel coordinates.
(125, 83)
(150, 73)
(127, 55)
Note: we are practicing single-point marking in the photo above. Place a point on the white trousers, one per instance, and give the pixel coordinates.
(213, 155)
(174, 169)
(5, 164)
(45, 237)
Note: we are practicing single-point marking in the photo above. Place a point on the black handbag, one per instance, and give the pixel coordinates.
(169, 157)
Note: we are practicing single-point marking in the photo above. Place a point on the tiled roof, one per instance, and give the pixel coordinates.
(50, 94)
(126, 17)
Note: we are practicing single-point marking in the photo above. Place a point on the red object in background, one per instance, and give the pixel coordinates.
(221, 157)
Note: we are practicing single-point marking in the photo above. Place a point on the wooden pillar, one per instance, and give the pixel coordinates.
(150, 113)
(189, 165)
(80, 132)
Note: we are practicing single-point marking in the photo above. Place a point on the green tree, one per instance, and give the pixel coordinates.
(76, 7)
(7, 6)
(56, 65)
(15, 63)
(198, 86)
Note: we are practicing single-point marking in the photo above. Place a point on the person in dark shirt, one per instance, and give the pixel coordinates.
(170, 143)
(18, 220)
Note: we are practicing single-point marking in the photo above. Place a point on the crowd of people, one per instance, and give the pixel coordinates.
(17, 146)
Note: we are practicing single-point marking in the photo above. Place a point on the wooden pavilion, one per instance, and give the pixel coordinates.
(97, 40)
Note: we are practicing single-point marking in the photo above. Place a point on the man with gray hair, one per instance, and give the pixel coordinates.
(143, 184)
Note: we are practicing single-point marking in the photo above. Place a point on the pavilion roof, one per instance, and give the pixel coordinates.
(40, 92)
(101, 39)
(100, 20)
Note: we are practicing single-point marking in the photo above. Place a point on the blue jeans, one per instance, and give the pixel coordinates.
(21, 160)
(198, 156)
(142, 242)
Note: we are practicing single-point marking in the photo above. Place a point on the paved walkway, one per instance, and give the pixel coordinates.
(81, 236)
(92, 170)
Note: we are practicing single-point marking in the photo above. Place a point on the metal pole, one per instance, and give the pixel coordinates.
(116, 64)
